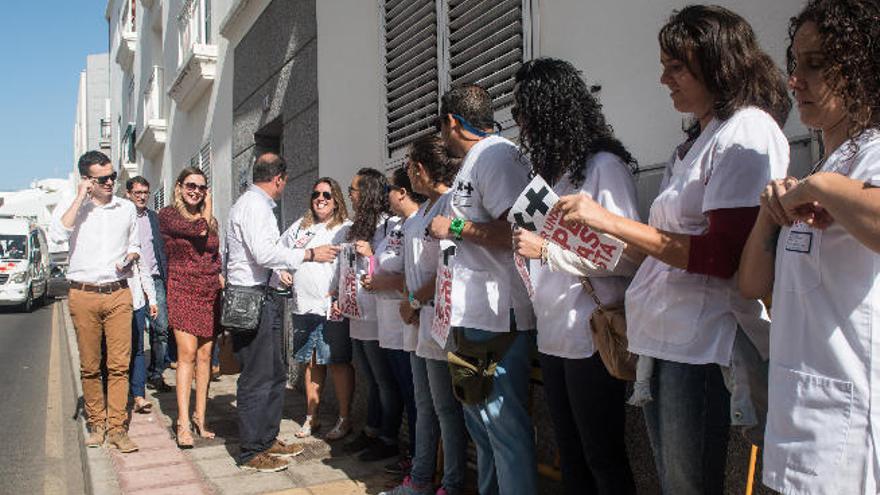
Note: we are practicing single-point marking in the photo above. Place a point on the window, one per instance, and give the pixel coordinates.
(127, 152)
(431, 45)
(202, 161)
(159, 198)
(194, 23)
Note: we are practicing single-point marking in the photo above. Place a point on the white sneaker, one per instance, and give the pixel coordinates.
(340, 430)
(309, 426)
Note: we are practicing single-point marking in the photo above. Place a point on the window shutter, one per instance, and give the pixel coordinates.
(159, 198)
(411, 75)
(486, 45)
(204, 158)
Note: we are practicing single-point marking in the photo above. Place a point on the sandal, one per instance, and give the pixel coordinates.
(199, 427)
(143, 406)
(340, 430)
(309, 426)
(184, 437)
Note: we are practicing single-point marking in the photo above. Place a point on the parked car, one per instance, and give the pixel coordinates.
(24, 263)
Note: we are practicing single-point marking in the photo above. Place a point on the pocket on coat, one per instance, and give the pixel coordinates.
(810, 425)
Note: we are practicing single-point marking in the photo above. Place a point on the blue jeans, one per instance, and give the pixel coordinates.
(500, 426)
(158, 334)
(384, 406)
(399, 363)
(439, 416)
(137, 377)
(688, 424)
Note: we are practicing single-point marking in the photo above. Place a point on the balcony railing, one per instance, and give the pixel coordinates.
(154, 96)
(194, 23)
(126, 34)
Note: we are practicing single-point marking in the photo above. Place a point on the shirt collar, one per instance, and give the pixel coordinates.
(115, 202)
(261, 193)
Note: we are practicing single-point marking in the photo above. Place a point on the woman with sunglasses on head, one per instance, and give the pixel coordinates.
(815, 246)
(319, 343)
(564, 133)
(683, 308)
(372, 222)
(396, 337)
(192, 246)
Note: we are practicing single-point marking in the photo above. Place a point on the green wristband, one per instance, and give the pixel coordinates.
(456, 227)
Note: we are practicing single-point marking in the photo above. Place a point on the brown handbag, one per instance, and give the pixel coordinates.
(608, 324)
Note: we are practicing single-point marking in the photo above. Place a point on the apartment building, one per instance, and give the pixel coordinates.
(91, 129)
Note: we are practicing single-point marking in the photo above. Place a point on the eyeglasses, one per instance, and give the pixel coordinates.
(104, 178)
(325, 194)
(192, 186)
(391, 187)
(352, 190)
(140, 193)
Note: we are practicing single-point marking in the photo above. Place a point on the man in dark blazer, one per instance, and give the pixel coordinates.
(155, 259)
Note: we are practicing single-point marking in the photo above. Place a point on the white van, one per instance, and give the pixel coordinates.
(24, 263)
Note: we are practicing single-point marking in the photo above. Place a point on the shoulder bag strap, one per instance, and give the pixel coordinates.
(588, 286)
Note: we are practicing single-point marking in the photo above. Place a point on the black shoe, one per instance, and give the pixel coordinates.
(379, 451)
(362, 442)
(159, 385)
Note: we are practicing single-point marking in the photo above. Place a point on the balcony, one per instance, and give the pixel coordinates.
(127, 154)
(151, 140)
(197, 55)
(105, 135)
(126, 35)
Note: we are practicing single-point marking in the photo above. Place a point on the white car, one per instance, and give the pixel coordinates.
(24, 263)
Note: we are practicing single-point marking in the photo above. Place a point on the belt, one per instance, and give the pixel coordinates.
(108, 288)
(272, 291)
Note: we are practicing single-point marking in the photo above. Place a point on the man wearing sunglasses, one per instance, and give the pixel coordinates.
(102, 233)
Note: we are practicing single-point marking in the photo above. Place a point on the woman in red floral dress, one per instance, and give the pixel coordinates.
(194, 282)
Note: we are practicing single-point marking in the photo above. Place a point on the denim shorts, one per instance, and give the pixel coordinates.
(328, 340)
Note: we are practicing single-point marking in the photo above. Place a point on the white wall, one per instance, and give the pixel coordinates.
(350, 89)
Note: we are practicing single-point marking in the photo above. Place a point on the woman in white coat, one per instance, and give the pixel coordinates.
(816, 245)
(683, 307)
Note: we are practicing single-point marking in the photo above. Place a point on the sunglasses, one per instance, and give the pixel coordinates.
(104, 178)
(391, 187)
(325, 194)
(192, 186)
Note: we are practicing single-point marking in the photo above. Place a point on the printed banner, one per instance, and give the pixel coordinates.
(304, 240)
(443, 296)
(348, 281)
(533, 211)
(522, 267)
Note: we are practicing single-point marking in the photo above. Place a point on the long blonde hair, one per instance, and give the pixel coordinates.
(340, 212)
(180, 204)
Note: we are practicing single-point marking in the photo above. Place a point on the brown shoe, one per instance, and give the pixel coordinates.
(264, 463)
(281, 449)
(119, 440)
(96, 436)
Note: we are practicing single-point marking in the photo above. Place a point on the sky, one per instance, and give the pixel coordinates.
(43, 48)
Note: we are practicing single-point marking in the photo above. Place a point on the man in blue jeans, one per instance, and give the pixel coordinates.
(156, 263)
(489, 299)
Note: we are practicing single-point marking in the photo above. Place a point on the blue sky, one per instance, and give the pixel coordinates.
(43, 48)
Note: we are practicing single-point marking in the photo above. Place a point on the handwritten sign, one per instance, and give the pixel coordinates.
(443, 296)
(534, 211)
(348, 282)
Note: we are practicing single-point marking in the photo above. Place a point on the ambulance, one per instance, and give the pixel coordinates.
(24, 263)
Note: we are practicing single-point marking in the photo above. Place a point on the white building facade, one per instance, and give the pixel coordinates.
(91, 129)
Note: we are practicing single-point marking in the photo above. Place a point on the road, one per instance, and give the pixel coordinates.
(41, 449)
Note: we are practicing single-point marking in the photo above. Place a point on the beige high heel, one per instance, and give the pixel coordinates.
(199, 427)
(184, 437)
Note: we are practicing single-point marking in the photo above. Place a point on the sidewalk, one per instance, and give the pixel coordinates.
(159, 467)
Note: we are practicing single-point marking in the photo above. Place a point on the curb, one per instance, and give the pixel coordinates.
(99, 462)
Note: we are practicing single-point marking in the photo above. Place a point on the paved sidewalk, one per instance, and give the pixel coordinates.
(209, 468)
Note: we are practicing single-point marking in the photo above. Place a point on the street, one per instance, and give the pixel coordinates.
(41, 449)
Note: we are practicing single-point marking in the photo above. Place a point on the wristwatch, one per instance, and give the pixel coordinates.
(456, 227)
(413, 302)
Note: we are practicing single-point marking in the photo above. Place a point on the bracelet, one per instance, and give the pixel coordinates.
(545, 252)
(456, 227)
(311, 254)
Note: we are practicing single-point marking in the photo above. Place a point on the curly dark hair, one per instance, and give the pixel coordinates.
(850, 32)
(372, 205)
(720, 49)
(432, 153)
(561, 121)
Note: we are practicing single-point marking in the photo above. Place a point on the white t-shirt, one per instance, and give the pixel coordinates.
(823, 426)
(421, 256)
(393, 332)
(485, 284)
(562, 306)
(689, 317)
(312, 281)
(367, 327)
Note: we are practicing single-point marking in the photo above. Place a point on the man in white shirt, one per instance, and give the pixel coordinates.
(102, 233)
(253, 251)
(491, 310)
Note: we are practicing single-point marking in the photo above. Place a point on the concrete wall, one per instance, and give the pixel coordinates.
(275, 92)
